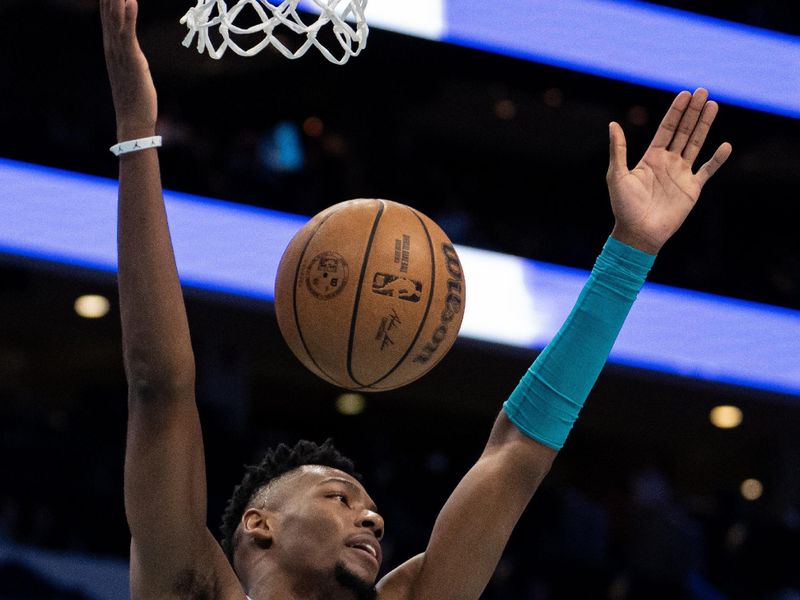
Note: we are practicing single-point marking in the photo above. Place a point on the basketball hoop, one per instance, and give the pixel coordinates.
(275, 19)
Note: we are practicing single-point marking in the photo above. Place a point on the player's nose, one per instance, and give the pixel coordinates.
(373, 521)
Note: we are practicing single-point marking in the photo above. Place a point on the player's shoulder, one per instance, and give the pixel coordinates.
(398, 584)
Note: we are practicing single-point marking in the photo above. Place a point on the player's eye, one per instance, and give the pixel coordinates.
(341, 497)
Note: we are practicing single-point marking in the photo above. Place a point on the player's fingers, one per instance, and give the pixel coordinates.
(707, 171)
(105, 10)
(688, 121)
(617, 149)
(113, 16)
(111, 12)
(669, 124)
(131, 12)
(698, 137)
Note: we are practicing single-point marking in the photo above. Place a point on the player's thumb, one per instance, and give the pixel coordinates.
(617, 150)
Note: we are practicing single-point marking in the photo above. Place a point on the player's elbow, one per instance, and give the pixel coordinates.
(147, 383)
(529, 460)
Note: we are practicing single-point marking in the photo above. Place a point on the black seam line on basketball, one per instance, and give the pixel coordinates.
(427, 306)
(370, 239)
(294, 299)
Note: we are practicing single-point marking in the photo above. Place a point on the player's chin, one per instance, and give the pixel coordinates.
(362, 588)
(366, 571)
(357, 572)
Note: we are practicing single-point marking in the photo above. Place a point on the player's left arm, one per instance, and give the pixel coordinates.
(475, 524)
(649, 204)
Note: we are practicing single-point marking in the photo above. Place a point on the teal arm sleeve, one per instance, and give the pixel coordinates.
(546, 403)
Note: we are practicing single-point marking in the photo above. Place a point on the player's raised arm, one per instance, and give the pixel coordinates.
(649, 203)
(165, 490)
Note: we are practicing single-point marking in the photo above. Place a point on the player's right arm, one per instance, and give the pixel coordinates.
(165, 485)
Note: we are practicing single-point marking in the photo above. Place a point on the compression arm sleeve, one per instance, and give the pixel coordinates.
(548, 398)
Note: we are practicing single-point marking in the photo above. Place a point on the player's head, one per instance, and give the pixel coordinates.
(303, 509)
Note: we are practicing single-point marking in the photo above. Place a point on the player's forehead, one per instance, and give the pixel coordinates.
(320, 475)
(305, 479)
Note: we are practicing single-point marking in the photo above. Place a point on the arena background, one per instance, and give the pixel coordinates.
(507, 155)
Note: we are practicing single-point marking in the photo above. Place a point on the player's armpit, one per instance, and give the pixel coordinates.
(204, 573)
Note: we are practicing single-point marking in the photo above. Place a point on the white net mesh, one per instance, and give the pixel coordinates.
(277, 19)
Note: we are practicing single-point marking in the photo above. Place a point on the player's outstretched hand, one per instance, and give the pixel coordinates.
(651, 201)
(132, 86)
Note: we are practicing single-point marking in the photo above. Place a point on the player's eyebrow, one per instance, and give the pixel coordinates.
(352, 486)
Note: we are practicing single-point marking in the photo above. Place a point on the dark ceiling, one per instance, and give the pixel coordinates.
(414, 121)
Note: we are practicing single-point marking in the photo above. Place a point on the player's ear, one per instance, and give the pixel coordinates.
(258, 526)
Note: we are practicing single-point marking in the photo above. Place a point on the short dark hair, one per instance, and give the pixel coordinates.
(276, 462)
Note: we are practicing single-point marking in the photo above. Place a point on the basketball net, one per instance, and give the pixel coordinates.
(275, 19)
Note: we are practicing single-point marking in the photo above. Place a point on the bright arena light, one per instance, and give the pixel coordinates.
(92, 306)
(751, 489)
(726, 417)
(350, 404)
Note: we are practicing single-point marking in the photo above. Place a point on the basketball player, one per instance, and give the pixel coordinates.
(301, 525)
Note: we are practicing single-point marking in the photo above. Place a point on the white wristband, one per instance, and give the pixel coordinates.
(136, 145)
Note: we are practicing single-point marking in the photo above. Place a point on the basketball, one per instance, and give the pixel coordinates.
(370, 294)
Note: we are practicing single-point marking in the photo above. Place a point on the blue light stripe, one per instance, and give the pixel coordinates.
(640, 43)
(626, 40)
(64, 217)
(70, 219)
